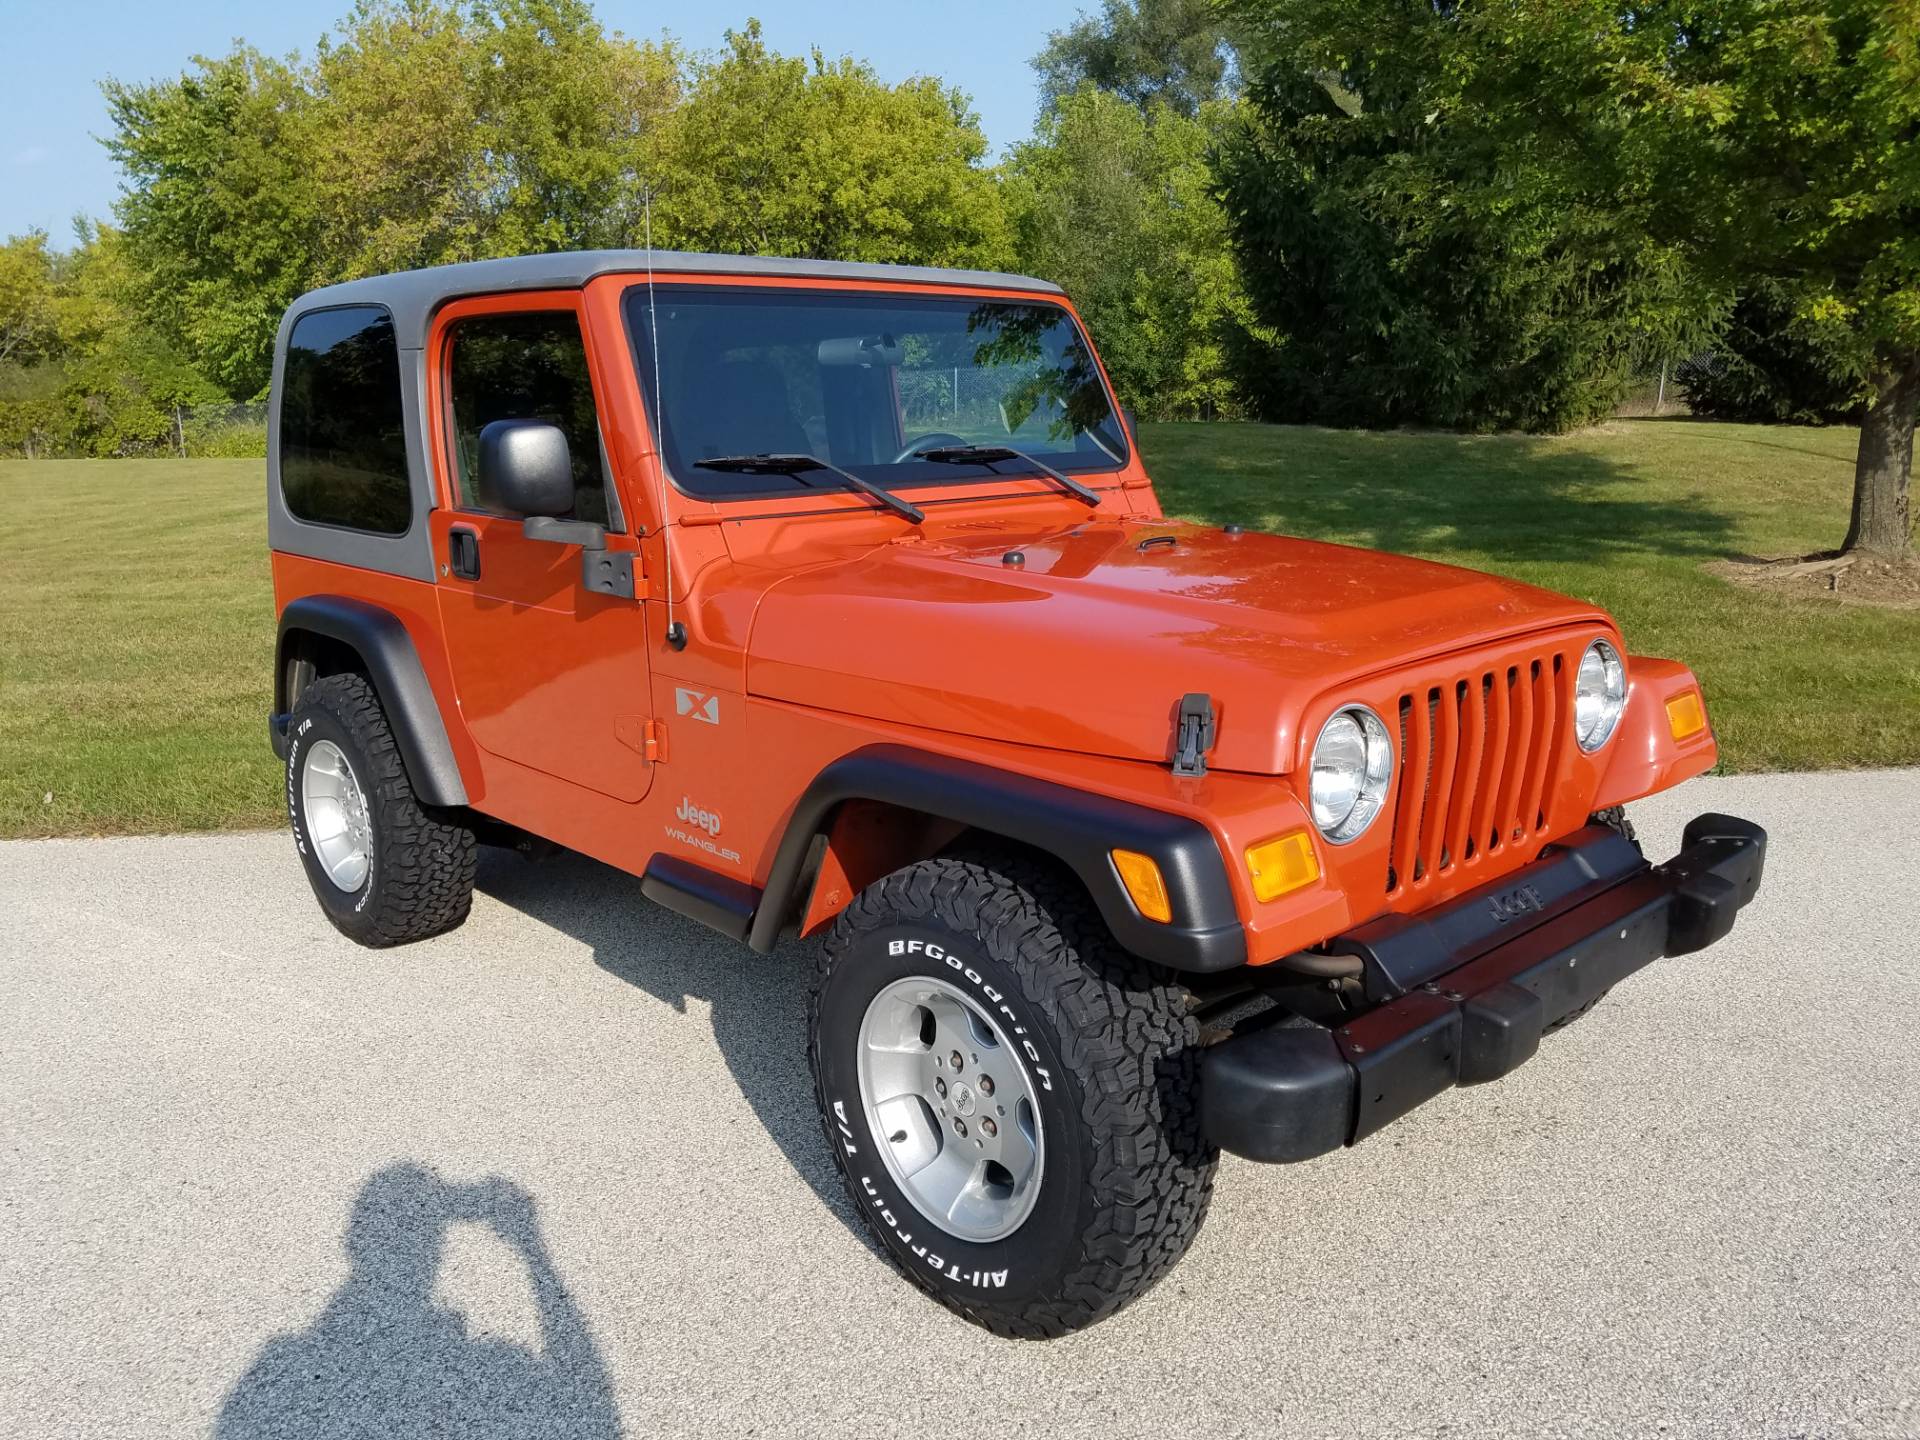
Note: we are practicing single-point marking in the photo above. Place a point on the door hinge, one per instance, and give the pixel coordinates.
(646, 738)
(608, 572)
(1193, 735)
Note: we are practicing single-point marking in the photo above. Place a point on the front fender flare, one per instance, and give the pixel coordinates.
(1075, 826)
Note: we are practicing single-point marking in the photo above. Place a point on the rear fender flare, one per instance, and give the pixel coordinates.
(392, 665)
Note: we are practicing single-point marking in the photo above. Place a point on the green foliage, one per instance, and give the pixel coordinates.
(1764, 372)
(775, 155)
(220, 210)
(1780, 140)
(99, 382)
(1116, 205)
(1177, 53)
(1476, 212)
(219, 440)
(1430, 248)
(26, 297)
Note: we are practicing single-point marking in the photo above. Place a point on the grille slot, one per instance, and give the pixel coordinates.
(1478, 755)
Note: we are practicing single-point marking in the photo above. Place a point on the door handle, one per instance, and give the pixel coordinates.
(463, 552)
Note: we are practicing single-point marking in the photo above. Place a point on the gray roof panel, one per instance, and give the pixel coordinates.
(413, 295)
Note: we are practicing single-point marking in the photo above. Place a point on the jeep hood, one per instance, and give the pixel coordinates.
(1088, 641)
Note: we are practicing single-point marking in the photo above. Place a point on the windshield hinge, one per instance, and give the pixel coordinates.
(1193, 735)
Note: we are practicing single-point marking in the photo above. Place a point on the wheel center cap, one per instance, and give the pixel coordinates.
(962, 1097)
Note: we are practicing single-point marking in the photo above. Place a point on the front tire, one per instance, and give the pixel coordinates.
(1094, 1177)
(386, 869)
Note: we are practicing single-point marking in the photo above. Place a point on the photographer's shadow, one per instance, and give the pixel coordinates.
(386, 1358)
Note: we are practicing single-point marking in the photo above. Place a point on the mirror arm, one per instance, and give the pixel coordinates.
(583, 533)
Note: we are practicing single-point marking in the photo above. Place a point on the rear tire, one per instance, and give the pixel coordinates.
(1102, 1046)
(386, 869)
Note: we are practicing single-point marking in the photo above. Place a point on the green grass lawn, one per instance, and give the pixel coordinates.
(136, 617)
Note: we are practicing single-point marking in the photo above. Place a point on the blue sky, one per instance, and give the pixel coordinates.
(53, 54)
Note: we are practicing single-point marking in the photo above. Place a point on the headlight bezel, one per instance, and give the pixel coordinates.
(1374, 787)
(1612, 695)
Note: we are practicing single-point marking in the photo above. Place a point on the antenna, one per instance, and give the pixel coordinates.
(676, 632)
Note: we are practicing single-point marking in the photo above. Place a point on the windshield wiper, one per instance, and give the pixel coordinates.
(794, 464)
(989, 454)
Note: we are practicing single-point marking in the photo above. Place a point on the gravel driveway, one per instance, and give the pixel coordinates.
(558, 1174)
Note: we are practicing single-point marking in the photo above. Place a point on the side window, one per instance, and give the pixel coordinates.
(527, 365)
(343, 449)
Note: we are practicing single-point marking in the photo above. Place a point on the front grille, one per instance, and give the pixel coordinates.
(1477, 760)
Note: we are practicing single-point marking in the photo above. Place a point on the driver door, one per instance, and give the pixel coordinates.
(549, 674)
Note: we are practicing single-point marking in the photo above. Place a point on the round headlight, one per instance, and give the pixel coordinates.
(1599, 695)
(1352, 766)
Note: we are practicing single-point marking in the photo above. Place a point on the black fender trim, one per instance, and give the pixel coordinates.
(393, 665)
(1076, 827)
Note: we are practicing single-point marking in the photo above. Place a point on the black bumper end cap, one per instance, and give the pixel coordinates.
(1278, 1095)
(1721, 860)
(1500, 1029)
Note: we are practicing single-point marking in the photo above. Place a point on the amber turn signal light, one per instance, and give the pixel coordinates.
(1282, 865)
(1686, 715)
(1144, 883)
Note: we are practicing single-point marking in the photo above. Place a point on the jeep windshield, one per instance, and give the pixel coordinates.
(867, 382)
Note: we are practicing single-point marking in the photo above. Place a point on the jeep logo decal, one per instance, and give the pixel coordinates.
(692, 814)
(1515, 903)
(699, 706)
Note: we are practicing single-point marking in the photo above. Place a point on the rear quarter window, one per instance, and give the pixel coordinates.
(343, 451)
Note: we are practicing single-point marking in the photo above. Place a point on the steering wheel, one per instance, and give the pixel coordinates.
(932, 440)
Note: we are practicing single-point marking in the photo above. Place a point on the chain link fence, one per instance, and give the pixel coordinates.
(1663, 391)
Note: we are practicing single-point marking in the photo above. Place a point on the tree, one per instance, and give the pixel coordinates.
(1666, 157)
(1175, 52)
(93, 380)
(1116, 205)
(775, 155)
(1780, 140)
(220, 208)
(26, 296)
(1426, 256)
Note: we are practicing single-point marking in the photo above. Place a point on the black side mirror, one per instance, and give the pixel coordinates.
(525, 468)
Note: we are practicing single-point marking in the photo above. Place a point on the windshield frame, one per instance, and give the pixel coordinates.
(633, 301)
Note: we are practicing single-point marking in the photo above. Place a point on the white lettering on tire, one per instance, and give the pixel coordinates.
(933, 950)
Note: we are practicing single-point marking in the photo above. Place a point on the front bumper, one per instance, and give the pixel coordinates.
(1464, 998)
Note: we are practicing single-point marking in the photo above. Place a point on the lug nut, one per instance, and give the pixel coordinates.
(988, 1128)
(959, 1127)
(957, 1062)
(939, 1087)
(986, 1084)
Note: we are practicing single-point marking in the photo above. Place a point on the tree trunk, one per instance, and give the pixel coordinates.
(1883, 470)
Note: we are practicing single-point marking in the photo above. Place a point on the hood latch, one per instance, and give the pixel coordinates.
(1193, 735)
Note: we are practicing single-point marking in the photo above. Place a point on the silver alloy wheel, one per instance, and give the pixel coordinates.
(951, 1107)
(339, 827)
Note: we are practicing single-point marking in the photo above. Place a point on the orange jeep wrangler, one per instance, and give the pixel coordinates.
(835, 600)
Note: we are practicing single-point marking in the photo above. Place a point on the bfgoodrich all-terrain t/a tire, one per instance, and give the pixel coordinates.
(972, 1017)
(385, 868)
